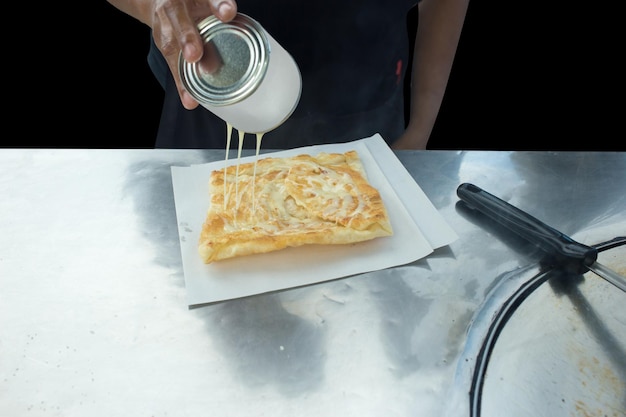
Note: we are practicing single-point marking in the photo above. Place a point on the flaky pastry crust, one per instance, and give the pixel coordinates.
(281, 202)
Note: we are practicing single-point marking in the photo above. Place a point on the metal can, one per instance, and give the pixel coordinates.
(244, 76)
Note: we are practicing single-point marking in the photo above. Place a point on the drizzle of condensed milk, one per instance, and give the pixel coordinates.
(229, 132)
(259, 138)
(239, 147)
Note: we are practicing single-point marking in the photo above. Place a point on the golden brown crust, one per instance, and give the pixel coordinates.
(280, 202)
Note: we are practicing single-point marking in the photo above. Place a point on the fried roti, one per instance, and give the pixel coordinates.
(293, 201)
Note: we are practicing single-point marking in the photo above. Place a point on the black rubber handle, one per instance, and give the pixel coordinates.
(561, 250)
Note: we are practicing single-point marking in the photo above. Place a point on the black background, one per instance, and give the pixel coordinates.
(524, 78)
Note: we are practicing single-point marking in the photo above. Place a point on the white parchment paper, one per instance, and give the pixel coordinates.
(418, 229)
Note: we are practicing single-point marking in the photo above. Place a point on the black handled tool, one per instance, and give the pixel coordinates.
(561, 250)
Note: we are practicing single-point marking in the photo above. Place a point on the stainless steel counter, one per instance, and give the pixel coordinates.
(94, 322)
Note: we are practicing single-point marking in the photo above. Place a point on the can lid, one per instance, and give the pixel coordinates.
(233, 64)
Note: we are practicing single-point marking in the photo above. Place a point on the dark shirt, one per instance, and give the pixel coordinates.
(353, 57)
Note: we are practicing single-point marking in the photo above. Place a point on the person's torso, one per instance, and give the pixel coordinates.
(352, 56)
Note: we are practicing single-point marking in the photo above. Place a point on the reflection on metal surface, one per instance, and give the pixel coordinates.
(509, 292)
(609, 275)
(92, 301)
(529, 354)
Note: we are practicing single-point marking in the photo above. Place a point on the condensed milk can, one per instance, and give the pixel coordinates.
(244, 76)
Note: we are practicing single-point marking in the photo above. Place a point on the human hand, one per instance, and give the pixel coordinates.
(174, 28)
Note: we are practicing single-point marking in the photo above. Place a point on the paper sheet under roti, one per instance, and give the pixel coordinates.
(418, 230)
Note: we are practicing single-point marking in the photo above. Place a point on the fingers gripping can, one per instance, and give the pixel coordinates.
(244, 76)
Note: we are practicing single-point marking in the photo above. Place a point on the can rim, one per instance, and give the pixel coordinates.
(244, 29)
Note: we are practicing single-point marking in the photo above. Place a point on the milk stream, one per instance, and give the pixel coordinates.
(229, 132)
(228, 190)
(259, 137)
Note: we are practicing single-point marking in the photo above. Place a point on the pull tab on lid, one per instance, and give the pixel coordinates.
(233, 64)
